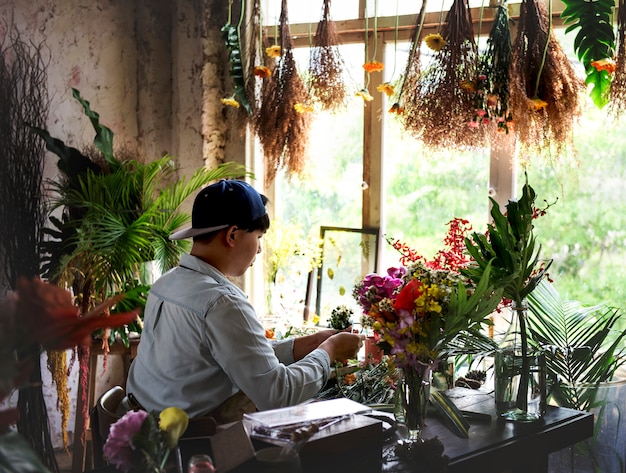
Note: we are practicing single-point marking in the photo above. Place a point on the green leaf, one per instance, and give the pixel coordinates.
(103, 140)
(16, 455)
(450, 412)
(230, 34)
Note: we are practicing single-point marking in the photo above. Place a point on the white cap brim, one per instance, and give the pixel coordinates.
(192, 232)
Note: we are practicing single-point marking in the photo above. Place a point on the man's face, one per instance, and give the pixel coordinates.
(247, 245)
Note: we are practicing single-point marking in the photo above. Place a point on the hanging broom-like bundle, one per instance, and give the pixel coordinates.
(407, 98)
(618, 84)
(326, 66)
(281, 126)
(545, 91)
(492, 85)
(443, 105)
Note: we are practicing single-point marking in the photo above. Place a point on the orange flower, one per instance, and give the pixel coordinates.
(435, 41)
(536, 104)
(373, 66)
(269, 333)
(607, 65)
(230, 101)
(273, 51)
(350, 378)
(365, 95)
(262, 72)
(303, 108)
(49, 317)
(396, 108)
(468, 85)
(386, 88)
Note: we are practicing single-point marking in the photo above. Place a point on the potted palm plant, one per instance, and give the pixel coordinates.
(585, 367)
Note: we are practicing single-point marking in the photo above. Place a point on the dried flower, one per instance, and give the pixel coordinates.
(273, 51)
(303, 108)
(386, 88)
(365, 95)
(230, 101)
(396, 108)
(435, 41)
(262, 71)
(373, 66)
(607, 65)
(536, 104)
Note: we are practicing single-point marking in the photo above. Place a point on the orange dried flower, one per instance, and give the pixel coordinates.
(607, 65)
(468, 85)
(373, 66)
(536, 104)
(386, 88)
(350, 378)
(273, 51)
(262, 72)
(269, 333)
(396, 108)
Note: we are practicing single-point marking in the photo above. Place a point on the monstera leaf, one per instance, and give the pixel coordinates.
(595, 40)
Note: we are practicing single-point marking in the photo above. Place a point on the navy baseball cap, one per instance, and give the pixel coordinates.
(220, 205)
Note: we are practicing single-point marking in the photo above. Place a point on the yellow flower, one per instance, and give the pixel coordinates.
(174, 421)
(536, 104)
(230, 101)
(435, 41)
(273, 51)
(303, 108)
(607, 65)
(262, 72)
(316, 319)
(468, 85)
(386, 88)
(373, 66)
(365, 95)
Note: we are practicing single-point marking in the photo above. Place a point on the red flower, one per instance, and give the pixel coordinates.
(49, 317)
(407, 296)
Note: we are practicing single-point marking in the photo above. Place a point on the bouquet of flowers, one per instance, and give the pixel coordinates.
(416, 311)
(141, 441)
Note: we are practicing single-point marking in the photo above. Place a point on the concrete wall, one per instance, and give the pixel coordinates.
(153, 69)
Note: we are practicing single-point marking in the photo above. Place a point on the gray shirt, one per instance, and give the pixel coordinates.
(202, 342)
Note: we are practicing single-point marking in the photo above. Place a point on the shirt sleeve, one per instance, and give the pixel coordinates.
(284, 350)
(238, 344)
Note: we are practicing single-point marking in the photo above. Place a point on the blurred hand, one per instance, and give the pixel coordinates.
(342, 346)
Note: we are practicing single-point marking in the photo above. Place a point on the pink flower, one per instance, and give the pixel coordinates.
(119, 447)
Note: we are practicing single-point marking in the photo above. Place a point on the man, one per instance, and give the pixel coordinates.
(202, 347)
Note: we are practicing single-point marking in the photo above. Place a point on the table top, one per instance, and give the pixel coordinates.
(495, 444)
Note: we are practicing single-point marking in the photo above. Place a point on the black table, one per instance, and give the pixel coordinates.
(497, 445)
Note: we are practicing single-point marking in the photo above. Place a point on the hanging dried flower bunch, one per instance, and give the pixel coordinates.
(442, 106)
(326, 66)
(407, 98)
(545, 91)
(491, 100)
(282, 129)
(618, 84)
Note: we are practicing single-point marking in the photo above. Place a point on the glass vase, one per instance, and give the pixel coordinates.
(519, 374)
(412, 393)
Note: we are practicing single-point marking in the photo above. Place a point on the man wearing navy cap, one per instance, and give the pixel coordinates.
(203, 348)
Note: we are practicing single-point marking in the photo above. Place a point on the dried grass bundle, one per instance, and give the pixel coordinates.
(618, 84)
(282, 130)
(409, 88)
(326, 66)
(545, 91)
(442, 106)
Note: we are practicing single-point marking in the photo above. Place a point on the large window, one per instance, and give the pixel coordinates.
(584, 232)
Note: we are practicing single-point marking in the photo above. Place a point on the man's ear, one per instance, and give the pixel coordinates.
(230, 234)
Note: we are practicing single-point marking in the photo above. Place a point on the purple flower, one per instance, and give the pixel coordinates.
(119, 447)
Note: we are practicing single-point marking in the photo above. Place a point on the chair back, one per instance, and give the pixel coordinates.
(104, 414)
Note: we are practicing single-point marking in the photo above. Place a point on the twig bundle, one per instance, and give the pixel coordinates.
(409, 89)
(545, 91)
(618, 84)
(282, 130)
(443, 107)
(326, 66)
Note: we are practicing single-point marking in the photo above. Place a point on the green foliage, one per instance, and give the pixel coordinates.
(583, 346)
(117, 214)
(230, 34)
(341, 317)
(17, 456)
(594, 40)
